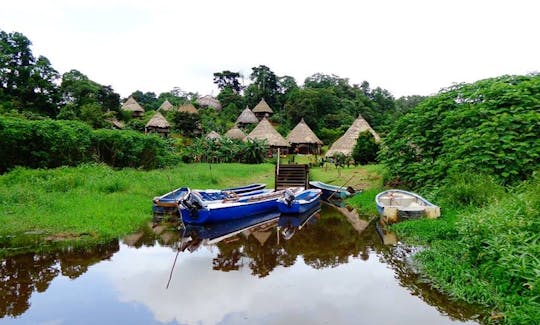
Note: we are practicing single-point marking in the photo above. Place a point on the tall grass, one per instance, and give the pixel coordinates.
(99, 202)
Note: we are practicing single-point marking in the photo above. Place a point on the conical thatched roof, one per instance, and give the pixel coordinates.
(235, 133)
(166, 106)
(265, 131)
(262, 107)
(208, 101)
(132, 105)
(213, 135)
(346, 143)
(158, 121)
(188, 108)
(247, 117)
(303, 134)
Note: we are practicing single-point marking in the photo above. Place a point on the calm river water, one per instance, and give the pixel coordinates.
(323, 270)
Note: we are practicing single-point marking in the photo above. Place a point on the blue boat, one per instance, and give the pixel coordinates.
(300, 202)
(168, 203)
(398, 204)
(332, 191)
(195, 209)
(289, 223)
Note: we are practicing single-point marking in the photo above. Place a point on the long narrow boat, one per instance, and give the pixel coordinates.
(195, 209)
(398, 204)
(332, 191)
(300, 202)
(168, 203)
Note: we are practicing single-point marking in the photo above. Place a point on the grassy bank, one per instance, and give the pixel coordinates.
(43, 208)
(485, 249)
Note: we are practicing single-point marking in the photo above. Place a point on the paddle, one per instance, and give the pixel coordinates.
(341, 186)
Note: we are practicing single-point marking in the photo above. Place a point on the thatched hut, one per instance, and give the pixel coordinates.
(134, 107)
(115, 124)
(188, 108)
(166, 106)
(235, 133)
(246, 117)
(157, 124)
(213, 135)
(208, 101)
(303, 140)
(265, 131)
(346, 143)
(262, 110)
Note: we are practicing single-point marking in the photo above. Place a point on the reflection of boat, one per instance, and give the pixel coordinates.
(299, 203)
(333, 191)
(289, 223)
(215, 232)
(398, 203)
(168, 203)
(195, 209)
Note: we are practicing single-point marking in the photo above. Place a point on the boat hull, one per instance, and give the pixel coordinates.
(330, 191)
(399, 204)
(303, 201)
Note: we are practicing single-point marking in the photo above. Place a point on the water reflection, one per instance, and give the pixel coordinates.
(325, 267)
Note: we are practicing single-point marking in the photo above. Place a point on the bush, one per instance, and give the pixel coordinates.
(366, 149)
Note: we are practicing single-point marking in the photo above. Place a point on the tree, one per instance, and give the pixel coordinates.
(366, 149)
(264, 85)
(147, 100)
(228, 80)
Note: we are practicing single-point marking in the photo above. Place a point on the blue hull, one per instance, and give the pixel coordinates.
(303, 201)
(328, 190)
(226, 212)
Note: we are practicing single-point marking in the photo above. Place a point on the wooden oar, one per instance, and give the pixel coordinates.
(340, 186)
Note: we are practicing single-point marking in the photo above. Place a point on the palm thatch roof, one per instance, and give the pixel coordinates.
(247, 117)
(208, 101)
(346, 143)
(213, 135)
(188, 108)
(132, 105)
(235, 133)
(166, 106)
(158, 121)
(303, 134)
(262, 107)
(265, 131)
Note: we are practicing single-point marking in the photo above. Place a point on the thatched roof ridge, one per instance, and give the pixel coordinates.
(346, 143)
(208, 101)
(262, 107)
(158, 121)
(165, 106)
(302, 133)
(247, 117)
(265, 131)
(213, 135)
(132, 105)
(235, 133)
(188, 108)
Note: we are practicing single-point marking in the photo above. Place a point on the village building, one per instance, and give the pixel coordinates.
(166, 106)
(157, 124)
(346, 143)
(246, 118)
(208, 101)
(265, 131)
(235, 133)
(303, 140)
(134, 107)
(262, 110)
(213, 135)
(188, 108)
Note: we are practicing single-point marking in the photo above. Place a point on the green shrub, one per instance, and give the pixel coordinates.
(366, 149)
(469, 189)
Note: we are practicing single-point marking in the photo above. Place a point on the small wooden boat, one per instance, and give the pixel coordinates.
(168, 203)
(195, 209)
(300, 202)
(332, 191)
(396, 204)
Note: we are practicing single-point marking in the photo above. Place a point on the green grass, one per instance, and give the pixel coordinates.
(97, 203)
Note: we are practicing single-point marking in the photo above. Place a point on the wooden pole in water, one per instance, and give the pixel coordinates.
(170, 275)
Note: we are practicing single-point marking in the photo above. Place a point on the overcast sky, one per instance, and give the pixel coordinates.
(407, 47)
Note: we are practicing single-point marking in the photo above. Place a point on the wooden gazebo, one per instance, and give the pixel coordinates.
(303, 140)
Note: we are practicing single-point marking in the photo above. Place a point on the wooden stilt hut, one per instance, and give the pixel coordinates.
(346, 143)
(157, 124)
(303, 140)
(246, 118)
(262, 110)
(131, 105)
(235, 133)
(188, 108)
(265, 131)
(213, 135)
(208, 101)
(166, 106)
